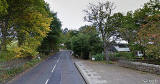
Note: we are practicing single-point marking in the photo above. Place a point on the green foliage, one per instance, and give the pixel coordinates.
(100, 16)
(80, 45)
(33, 28)
(24, 25)
(99, 57)
(27, 22)
(149, 37)
(137, 28)
(31, 63)
(53, 39)
(9, 54)
(6, 55)
(84, 42)
(122, 55)
(3, 7)
(25, 52)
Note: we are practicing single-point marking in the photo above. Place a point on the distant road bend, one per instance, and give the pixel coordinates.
(58, 69)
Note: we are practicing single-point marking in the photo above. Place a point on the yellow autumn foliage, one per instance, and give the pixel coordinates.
(34, 26)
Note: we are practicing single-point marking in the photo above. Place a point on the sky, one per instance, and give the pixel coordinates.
(71, 14)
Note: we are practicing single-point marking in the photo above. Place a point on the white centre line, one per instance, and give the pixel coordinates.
(58, 60)
(55, 65)
(47, 81)
(54, 68)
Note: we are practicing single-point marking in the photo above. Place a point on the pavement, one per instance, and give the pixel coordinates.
(102, 73)
(58, 69)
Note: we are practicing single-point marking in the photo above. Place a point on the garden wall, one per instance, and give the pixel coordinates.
(151, 68)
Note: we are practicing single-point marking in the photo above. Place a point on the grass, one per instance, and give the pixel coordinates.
(9, 54)
(103, 62)
(6, 55)
(6, 75)
(11, 73)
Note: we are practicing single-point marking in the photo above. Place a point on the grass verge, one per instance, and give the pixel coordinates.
(11, 73)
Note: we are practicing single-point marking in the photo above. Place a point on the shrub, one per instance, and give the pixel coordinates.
(99, 57)
(122, 55)
(25, 52)
(6, 55)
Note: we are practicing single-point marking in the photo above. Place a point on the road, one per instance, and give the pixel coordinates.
(58, 69)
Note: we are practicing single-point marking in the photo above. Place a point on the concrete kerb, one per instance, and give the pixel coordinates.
(81, 72)
(89, 75)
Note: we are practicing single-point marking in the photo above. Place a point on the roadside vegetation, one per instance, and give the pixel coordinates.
(29, 32)
(140, 28)
(85, 42)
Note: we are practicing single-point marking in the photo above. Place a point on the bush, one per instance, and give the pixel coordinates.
(6, 55)
(99, 57)
(122, 55)
(25, 52)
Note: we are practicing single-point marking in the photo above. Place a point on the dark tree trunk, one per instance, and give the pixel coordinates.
(4, 36)
(106, 51)
(106, 48)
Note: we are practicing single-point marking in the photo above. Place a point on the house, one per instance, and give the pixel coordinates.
(119, 46)
(122, 46)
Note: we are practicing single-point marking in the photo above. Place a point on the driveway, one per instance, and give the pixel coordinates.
(113, 74)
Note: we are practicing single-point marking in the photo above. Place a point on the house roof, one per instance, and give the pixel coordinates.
(122, 49)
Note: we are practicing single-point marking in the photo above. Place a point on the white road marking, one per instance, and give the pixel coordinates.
(58, 60)
(54, 68)
(55, 65)
(47, 81)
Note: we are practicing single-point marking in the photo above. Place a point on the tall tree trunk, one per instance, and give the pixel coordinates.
(106, 51)
(105, 47)
(4, 36)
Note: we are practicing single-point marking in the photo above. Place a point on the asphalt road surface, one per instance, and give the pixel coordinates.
(58, 69)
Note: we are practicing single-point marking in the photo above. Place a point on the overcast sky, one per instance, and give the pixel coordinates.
(70, 12)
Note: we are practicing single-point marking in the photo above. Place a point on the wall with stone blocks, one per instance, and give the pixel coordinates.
(151, 68)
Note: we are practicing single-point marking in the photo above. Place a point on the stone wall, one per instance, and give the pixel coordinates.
(151, 68)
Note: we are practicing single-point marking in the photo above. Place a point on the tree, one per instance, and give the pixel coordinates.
(31, 30)
(3, 12)
(99, 15)
(95, 42)
(53, 39)
(27, 21)
(85, 42)
(67, 37)
(149, 36)
(19, 10)
(154, 5)
(80, 45)
(3, 7)
(7, 22)
(132, 23)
